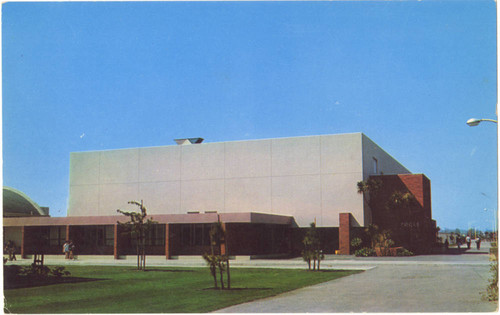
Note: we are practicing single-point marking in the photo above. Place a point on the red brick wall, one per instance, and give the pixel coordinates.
(418, 223)
(418, 184)
(345, 233)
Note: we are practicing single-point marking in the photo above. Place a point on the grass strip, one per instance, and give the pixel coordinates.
(118, 289)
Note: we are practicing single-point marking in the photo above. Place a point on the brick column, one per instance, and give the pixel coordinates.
(223, 245)
(168, 243)
(116, 243)
(23, 242)
(67, 233)
(345, 233)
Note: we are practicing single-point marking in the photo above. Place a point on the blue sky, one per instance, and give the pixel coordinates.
(97, 75)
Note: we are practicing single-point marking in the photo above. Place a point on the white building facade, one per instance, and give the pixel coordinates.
(311, 178)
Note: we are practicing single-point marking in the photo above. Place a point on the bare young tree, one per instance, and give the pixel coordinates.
(138, 226)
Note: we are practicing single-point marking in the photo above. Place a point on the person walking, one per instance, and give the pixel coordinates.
(66, 250)
(71, 250)
(10, 248)
(467, 239)
(478, 243)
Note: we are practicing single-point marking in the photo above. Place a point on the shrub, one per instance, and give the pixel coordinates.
(356, 242)
(492, 289)
(10, 272)
(58, 272)
(365, 252)
(32, 271)
(403, 252)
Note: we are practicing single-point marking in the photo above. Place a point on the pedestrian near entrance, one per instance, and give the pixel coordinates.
(467, 239)
(66, 250)
(478, 243)
(10, 248)
(71, 250)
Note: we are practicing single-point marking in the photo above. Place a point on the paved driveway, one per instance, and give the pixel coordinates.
(426, 284)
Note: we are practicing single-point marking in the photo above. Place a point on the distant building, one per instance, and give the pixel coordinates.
(263, 191)
(18, 204)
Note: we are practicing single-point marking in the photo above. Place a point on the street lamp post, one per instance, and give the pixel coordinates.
(474, 121)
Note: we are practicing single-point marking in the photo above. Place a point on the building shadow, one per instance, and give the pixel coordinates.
(166, 270)
(237, 289)
(22, 282)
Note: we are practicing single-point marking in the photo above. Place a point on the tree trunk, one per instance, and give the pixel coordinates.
(309, 263)
(143, 251)
(138, 255)
(221, 276)
(214, 274)
(319, 259)
(144, 258)
(228, 274)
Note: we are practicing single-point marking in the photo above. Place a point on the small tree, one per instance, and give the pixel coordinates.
(138, 226)
(369, 189)
(215, 260)
(212, 262)
(312, 249)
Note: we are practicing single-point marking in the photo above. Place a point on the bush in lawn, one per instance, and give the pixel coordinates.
(356, 243)
(13, 272)
(403, 252)
(60, 271)
(365, 252)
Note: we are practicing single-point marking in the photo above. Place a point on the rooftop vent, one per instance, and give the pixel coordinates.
(188, 141)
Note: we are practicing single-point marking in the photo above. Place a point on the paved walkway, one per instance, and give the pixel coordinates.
(437, 283)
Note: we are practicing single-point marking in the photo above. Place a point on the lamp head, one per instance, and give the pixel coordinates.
(473, 122)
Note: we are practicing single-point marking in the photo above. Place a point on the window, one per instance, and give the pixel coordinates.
(156, 235)
(375, 166)
(57, 235)
(109, 235)
(195, 234)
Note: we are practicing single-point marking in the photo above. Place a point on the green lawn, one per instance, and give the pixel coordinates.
(160, 290)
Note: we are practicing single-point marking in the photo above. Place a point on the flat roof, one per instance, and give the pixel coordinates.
(244, 217)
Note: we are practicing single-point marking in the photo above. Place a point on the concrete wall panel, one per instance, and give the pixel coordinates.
(386, 164)
(298, 196)
(248, 195)
(84, 168)
(202, 195)
(339, 194)
(248, 159)
(341, 153)
(202, 161)
(117, 196)
(119, 166)
(160, 164)
(83, 200)
(161, 197)
(296, 156)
